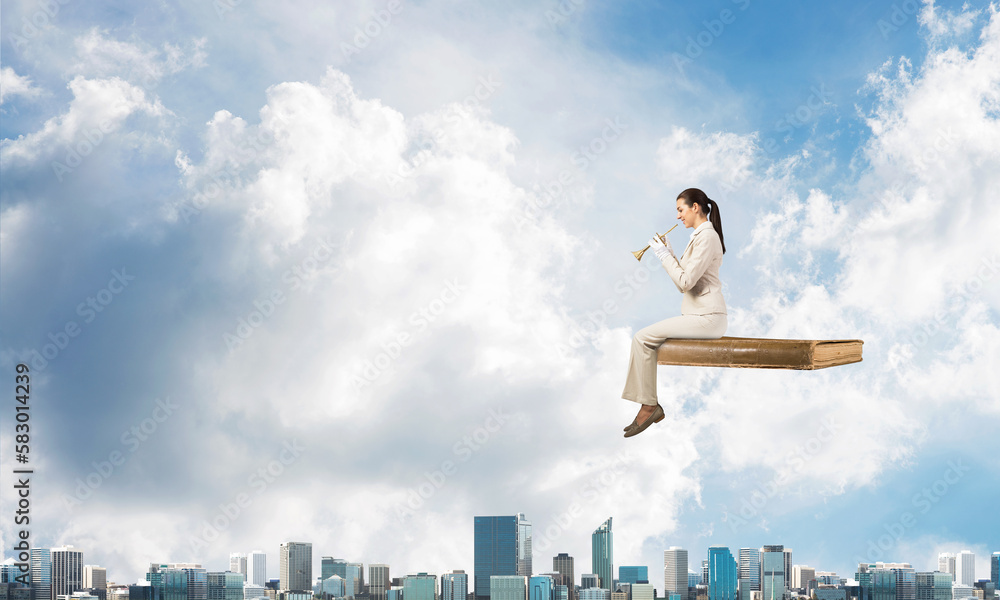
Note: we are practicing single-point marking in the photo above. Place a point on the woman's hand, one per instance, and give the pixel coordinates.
(661, 248)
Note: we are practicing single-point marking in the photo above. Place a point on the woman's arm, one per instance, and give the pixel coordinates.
(705, 248)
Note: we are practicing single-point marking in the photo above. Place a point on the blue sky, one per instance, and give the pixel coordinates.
(336, 271)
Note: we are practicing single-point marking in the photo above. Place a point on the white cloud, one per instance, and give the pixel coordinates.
(12, 84)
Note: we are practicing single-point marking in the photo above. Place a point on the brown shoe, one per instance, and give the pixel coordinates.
(630, 425)
(656, 416)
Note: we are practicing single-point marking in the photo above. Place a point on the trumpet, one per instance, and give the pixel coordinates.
(638, 253)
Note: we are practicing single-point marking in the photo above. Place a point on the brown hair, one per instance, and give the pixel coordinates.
(692, 196)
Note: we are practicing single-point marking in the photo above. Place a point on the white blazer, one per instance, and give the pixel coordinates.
(696, 274)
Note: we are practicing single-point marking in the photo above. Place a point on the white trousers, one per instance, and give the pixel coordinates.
(640, 384)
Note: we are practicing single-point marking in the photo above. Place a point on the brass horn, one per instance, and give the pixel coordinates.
(638, 253)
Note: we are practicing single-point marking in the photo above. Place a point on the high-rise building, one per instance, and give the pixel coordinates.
(507, 587)
(176, 581)
(523, 546)
(295, 564)
(633, 574)
(541, 587)
(454, 585)
(257, 568)
(801, 576)
(334, 587)
(67, 571)
(226, 585)
(675, 571)
(590, 581)
(703, 580)
(561, 593)
(502, 546)
(595, 593)
(749, 567)
(772, 572)
(332, 566)
(563, 563)
(352, 580)
(359, 580)
(379, 581)
(238, 564)
(41, 574)
(788, 568)
(933, 586)
(995, 570)
(965, 568)
(421, 586)
(886, 581)
(602, 554)
(95, 577)
(722, 570)
(642, 591)
(946, 564)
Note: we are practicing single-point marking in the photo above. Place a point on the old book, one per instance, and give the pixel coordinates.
(760, 353)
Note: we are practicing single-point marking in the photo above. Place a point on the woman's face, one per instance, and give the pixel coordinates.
(689, 215)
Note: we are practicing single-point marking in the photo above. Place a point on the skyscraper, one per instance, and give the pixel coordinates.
(238, 563)
(675, 571)
(295, 564)
(633, 574)
(523, 546)
(257, 568)
(602, 554)
(965, 568)
(502, 546)
(178, 581)
(95, 577)
(563, 563)
(933, 586)
(750, 567)
(379, 581)
(772, 572)
(589, 581)
(995, 570)
(721, 574)
(454, 585)
(788, 568)
(507, 587)
(540, 587)
(421, 586)
(227, 585)
(67, 570)
(801, 576)
(946, 564)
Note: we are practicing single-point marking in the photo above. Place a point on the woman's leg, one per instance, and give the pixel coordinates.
(640, 384)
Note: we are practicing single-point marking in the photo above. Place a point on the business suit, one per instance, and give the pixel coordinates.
(703, 311)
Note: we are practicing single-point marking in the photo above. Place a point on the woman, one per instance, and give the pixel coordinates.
(703, 310)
